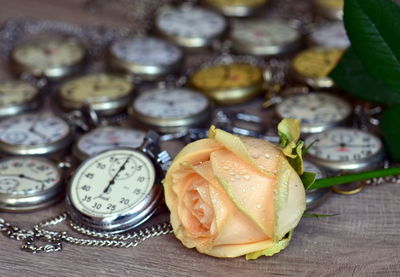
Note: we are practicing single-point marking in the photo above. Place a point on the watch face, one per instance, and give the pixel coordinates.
(190, 22)
(343, 145)
(332, 35)
(27, 176)
(105, 138)
(316, 62)
(310, 167)
(95, 88)
(264, 33)
(315, 109)
(32, 130)
(146, 51)
(227, 76)
(49, 53)
(170, 103)
(15, 93)
(112, 183)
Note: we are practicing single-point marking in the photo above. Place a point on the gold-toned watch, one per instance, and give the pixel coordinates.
(314, 64)
(106, 94)
(18, 96)
(230, 83)
(48, 57)
(332, 9)
(236, 8)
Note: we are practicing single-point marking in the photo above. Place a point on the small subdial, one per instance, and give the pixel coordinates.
(122, 169)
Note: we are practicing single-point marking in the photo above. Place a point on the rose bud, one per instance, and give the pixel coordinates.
(231, 196)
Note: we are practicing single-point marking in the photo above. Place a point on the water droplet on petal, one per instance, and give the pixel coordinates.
(255, 155)
(243, 190)
(267, 156)
(246, 177)
(231, 173)
(237, 177)
(232, 179)
(253, 188)
(226, 167)
(258, 206)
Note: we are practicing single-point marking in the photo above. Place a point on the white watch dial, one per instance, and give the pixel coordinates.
(190, 22)
(310, 167)
(332, 35)
(33, 129)
(13, 93)
(112, 183)
(146, 51)
(343, 145)
(27, 176)
(170, 103)
(105, 138)
(315, 109)
(264, 33)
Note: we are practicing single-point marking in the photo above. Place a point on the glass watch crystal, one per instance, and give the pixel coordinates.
(236, 8)
(331, 35)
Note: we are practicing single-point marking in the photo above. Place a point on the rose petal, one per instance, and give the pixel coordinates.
(236, 250)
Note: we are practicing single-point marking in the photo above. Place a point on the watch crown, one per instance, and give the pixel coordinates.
(164, 159)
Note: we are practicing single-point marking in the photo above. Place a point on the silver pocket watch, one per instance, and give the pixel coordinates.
(17, 96)
(189, 26)
(236, 8)
(330, 35)
(170, 109)
(147, 58)
(29, 183)
(41, 133)
(317, 111)
(316, 196)
(118, 189)
(106, 137)
(345, 149)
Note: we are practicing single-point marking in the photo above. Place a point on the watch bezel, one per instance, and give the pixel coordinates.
(235, 10)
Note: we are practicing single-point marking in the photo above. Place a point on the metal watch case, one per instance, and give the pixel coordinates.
(236, 10)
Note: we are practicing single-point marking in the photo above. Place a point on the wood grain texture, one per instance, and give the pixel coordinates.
(362, 240)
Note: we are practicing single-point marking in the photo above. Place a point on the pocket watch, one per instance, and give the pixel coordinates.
(316, 196)
(330, 35)
(29, 183)
(189, 26)
(317, 111)
(345, 149)
(104, 93)
(145, 57)
(332, 9)
(116, 190)
(41, 133)
(236, 8)
(18, 96)
(313, 66)
(230, 83)
(107, 137)
(51, 57)
(263, 37)
(170, 109)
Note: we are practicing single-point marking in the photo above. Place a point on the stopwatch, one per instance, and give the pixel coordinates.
(115, 190)
(189, 26)
(107, 137)
(330, 35)
(263, 37)
(332, 9)
(317, 111)
(316, 196)
(51, 57)
(313, 66)
(236, 8)
(17, 97)
(104, 93)
(40, 133)
(29, 183)
(148, 58)
(170, 109)
(345, 149)
(230, 83)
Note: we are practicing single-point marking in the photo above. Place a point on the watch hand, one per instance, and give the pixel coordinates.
(112, 181)
(23, 176)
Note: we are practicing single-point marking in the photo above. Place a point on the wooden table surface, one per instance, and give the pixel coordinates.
(362, 240)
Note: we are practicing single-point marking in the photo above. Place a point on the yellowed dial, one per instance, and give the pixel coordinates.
(331, 8)
(16, 92)
(100, 88)
(46, 54)
(229, 83)
(316, 62)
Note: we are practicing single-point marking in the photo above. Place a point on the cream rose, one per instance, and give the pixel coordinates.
(231, 196)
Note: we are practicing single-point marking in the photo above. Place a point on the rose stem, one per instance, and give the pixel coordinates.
(350, 178)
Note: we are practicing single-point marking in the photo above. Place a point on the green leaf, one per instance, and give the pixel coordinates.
(373, 27)
(318, 215)
(354, 177)
(351, 76)
(389, 123)
(308, 178)
(289, 131)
